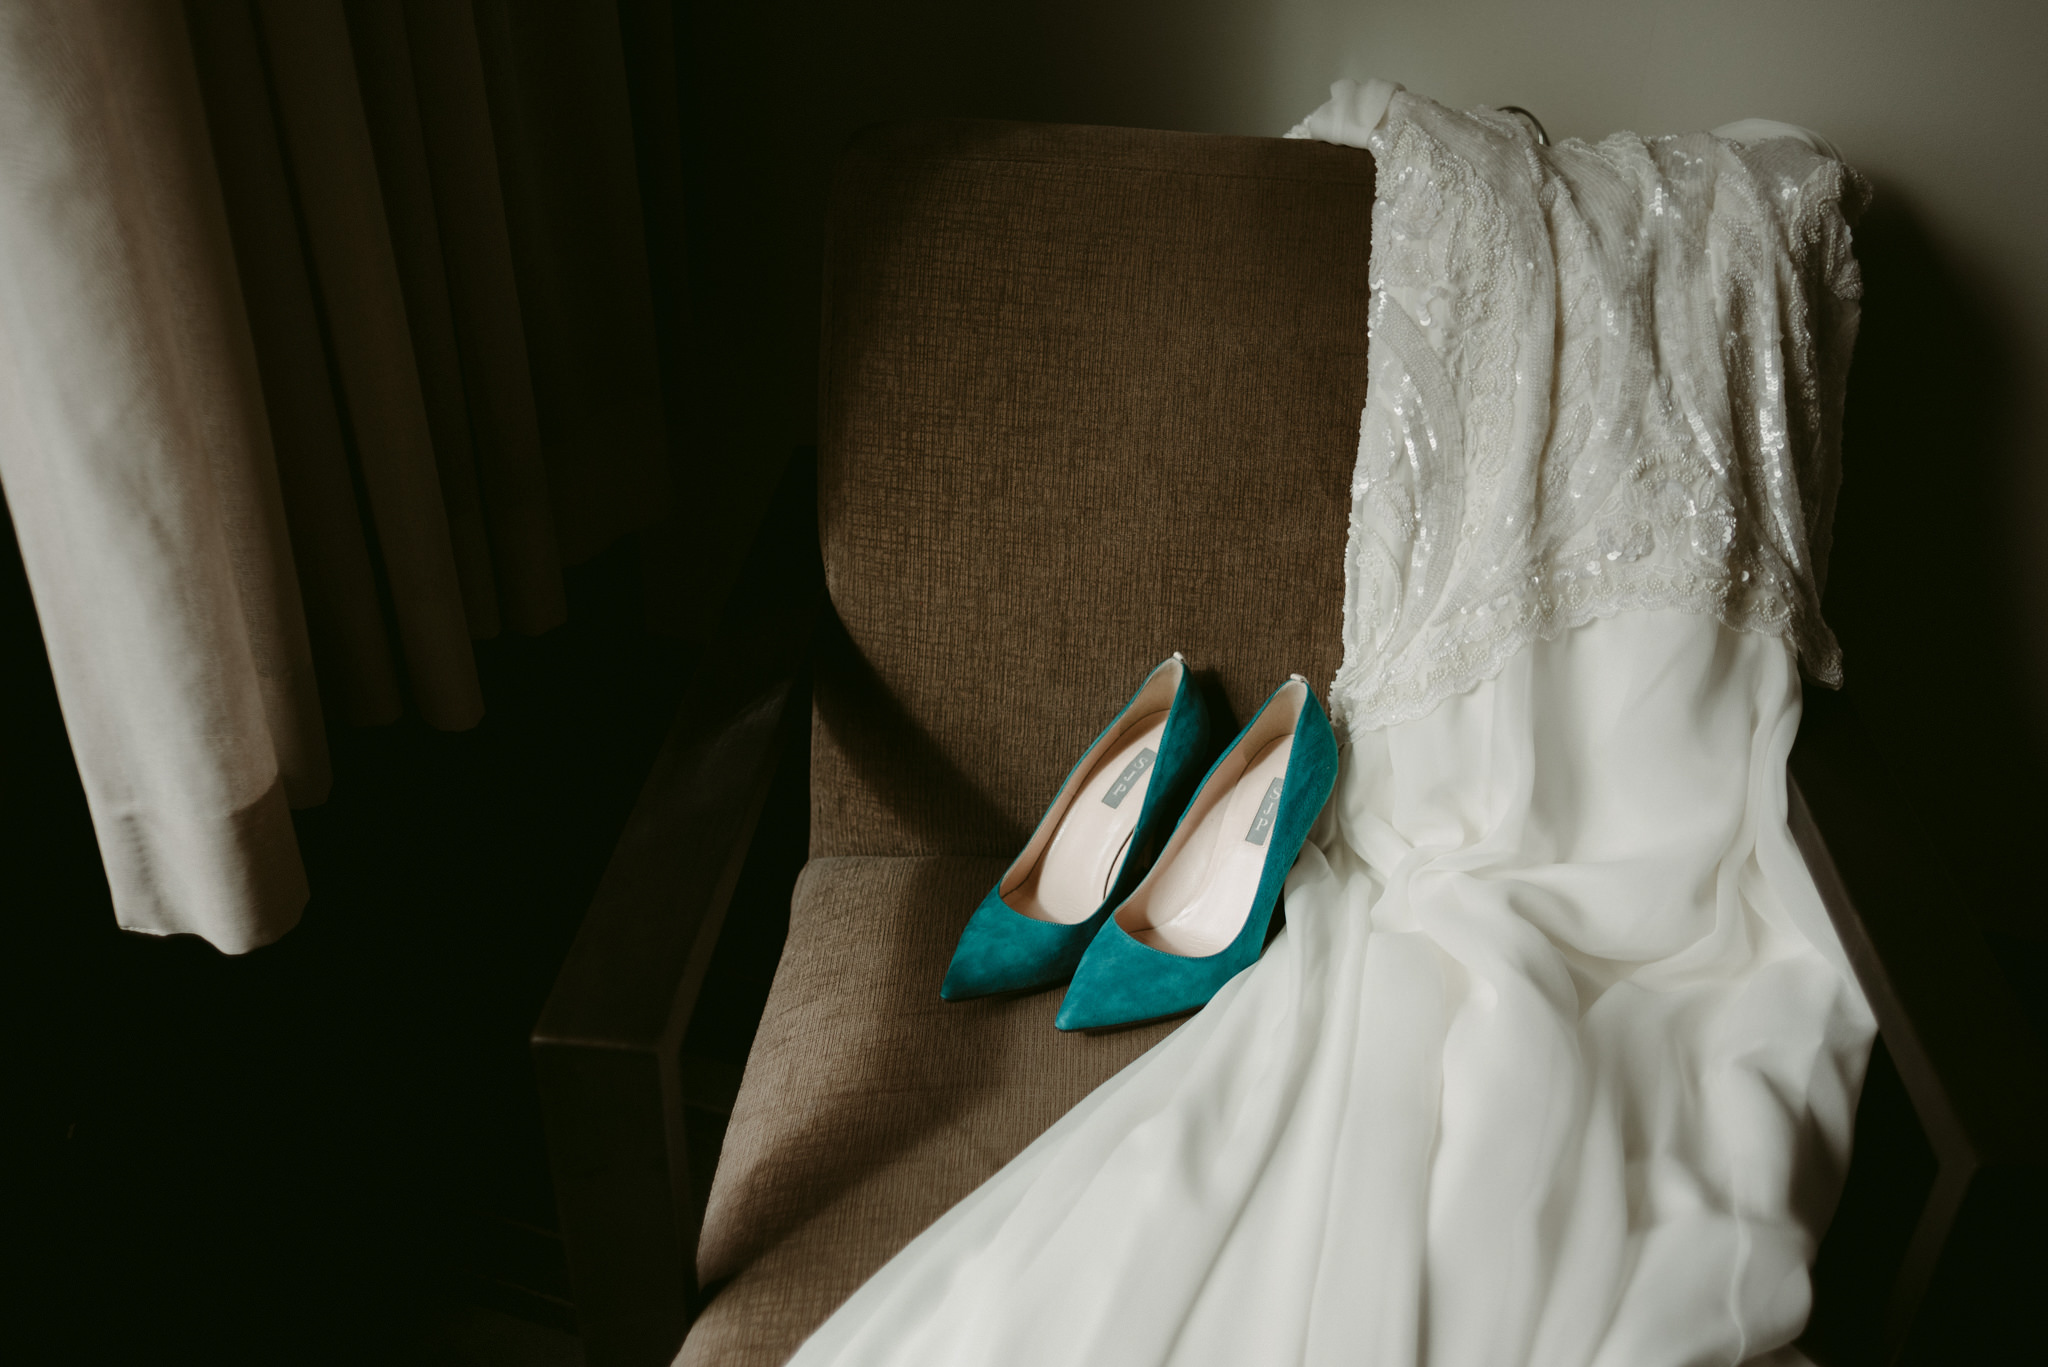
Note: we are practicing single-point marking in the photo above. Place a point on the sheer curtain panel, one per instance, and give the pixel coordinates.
(326, 337)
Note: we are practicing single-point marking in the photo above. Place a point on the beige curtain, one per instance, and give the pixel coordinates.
(327, 336)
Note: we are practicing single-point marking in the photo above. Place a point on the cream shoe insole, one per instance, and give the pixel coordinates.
(1200, 904)
(1078, 864)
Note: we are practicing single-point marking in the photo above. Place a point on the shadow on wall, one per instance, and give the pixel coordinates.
(1922, 589)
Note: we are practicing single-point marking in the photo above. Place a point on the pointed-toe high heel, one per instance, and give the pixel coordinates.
(1199, 917)
(1093, 843)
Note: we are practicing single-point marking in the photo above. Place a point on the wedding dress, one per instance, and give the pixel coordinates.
(1556, 1059)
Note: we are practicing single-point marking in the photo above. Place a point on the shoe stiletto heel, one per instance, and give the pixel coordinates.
(1093, 843)
(1200, 916)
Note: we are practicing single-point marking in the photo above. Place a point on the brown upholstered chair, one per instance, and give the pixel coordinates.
(1089, 395)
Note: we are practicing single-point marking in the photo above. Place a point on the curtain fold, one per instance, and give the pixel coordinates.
(383, 65)
(556, 81)
(334, 173)
(328, 336)
(134, 452)
(483, 294)
(357, 667)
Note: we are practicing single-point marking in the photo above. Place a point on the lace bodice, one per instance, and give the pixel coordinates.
(1605, 377)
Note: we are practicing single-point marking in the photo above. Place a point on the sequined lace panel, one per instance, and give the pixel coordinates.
(1605, 377)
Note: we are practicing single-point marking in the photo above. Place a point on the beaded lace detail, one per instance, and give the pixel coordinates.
(1605, 378)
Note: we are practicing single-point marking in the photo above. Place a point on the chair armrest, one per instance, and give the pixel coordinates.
(1965, 1052)
(607, 1047)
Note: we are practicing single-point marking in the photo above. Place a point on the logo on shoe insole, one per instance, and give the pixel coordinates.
(1269, 807)
(1128, 779)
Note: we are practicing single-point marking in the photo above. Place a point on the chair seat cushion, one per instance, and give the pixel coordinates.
(870, 1106)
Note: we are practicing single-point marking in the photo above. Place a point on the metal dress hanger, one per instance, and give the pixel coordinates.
(1542, 138)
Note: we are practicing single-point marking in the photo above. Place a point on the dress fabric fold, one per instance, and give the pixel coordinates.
(1556, 1060)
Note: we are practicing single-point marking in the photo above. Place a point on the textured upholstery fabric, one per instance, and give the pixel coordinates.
(869, 1105)
(1090, 396)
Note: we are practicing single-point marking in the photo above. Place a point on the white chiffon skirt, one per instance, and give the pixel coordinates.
(1555, 1062)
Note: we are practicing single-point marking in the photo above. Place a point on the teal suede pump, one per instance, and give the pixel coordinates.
(1093, 844)
(1199, 918)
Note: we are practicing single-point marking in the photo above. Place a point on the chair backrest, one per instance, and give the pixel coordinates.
(1090, 395)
